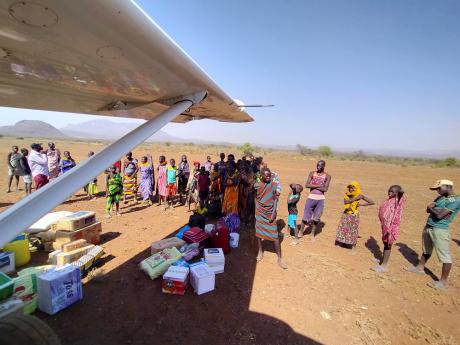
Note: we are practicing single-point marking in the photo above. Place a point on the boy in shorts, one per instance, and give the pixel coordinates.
(293, 199)
(171, 189)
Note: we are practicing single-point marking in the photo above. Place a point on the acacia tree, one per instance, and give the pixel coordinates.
(247, 149)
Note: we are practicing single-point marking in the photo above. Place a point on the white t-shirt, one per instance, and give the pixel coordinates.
(38, 163)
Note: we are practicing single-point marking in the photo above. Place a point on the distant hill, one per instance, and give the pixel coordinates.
(108, 130)
(31, 128)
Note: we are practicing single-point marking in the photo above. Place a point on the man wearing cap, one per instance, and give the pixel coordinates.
(38, 163)
(436, 232)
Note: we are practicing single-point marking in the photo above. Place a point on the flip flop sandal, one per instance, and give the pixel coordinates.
(437, 285)
(413, 269)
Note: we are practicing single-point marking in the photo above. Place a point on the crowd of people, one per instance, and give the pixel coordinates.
(247, 187)
(39, 166)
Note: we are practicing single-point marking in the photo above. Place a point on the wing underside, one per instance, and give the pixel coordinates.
(99, 57)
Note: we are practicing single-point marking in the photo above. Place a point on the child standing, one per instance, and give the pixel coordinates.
(390, 214)
(91, 188)
(114, 191)
(27, 177)
(293, 199)
(348, 229)
(203, 185)
(171, 177)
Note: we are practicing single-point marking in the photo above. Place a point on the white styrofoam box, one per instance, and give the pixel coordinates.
(177, 273)
(59, 288)
(214, 255)
(45, 222)
(7, 262)
(202, 278)
(220, 268)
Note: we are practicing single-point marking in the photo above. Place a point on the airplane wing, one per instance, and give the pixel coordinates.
(100, 57)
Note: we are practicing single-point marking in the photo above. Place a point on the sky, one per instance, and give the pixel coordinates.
(361, 74)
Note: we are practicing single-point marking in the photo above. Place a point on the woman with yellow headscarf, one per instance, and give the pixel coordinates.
(348, 229)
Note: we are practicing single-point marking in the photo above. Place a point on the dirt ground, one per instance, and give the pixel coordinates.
(327, 295)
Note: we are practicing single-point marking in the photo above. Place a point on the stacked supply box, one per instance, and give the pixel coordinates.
(75, 221)
(59, 288)
(215, 259)
(202, 278)
(89, 259)
(175, 280)
(90, 233)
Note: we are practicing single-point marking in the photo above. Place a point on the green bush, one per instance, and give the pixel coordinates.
(247, 149)
(325, 151)
(451, 162)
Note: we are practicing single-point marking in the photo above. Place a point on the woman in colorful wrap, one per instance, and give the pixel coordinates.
(54, 158)
(130, 169)
(114, 191)
(266, 198)
(348, 229)
(67, 162)
(162, 169)
(390, 214)
(230, 202)
(147, 179)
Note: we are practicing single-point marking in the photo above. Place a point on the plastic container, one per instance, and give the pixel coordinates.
(20, 248)
(11, 307)
(7, 262)
(6, 286)
(234, 239)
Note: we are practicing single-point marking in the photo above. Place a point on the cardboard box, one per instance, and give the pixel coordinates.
(89, 259)
(52, 257)
(175, 280)
(91, 234)
(59, 288)
(158, 246)
(76, 221)
(66, 258)
(202, 278)
(68, 247)
(7, 262)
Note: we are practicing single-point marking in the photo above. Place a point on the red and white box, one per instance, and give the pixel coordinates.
(175, 280)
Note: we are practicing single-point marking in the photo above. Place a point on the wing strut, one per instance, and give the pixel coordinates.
(24, 213)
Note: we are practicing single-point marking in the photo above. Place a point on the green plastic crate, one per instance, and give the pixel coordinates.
(6, 286)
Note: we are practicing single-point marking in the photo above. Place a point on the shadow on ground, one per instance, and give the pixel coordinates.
(412, 256)
(374, 248)
(124, 306)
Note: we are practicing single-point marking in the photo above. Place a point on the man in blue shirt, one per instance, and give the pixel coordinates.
(436, 232)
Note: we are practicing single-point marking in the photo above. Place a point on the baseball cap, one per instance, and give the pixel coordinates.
(440, 183)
